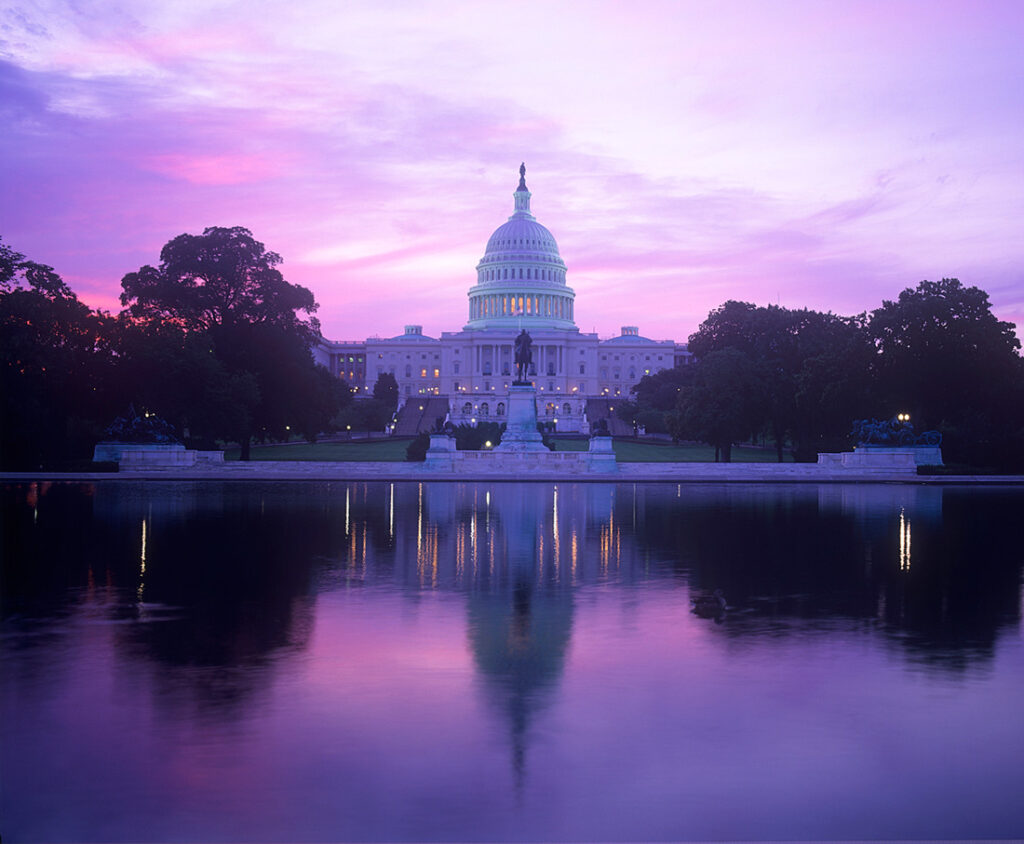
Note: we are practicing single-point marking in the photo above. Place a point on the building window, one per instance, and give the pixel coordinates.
(467, 408)
(423, 372)
(485, 409)
(501, 408)
(583, 369)
(455, 368)
(437, 372)
(408, 370)
(566, 409)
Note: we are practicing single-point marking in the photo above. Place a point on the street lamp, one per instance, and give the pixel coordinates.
(903, 417)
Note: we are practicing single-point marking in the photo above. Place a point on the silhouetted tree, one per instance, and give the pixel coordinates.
(386, 391)
(723, 403)
(224, 285)
(781, 344)
(368, 415)
(944, 357)
(222, 277)
(53, 366)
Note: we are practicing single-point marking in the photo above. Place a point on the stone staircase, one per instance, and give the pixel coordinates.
(420, 414)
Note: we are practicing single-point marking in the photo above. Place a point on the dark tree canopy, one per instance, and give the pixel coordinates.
(660, 390)
(723, 403)
(944, 357)
(224, 286)
(941, 349)
(386, 390)
(53, 365)
(789, 350)
(222, 277)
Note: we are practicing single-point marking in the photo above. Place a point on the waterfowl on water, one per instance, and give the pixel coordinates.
(709, 606)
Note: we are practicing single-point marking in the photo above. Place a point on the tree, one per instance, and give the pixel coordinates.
(945, 358)
(724, 403)
(386, 390)
(222, 277)
(225, 287)
(782, 343)
(369, 415)
(53, 365)
(660, 390)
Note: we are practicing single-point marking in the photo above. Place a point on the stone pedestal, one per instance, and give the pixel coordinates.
(521, 434)
(884, 458)
(441, 454)
(601, 455)
(140, 456)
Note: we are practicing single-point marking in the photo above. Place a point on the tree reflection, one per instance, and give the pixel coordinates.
(229, 574)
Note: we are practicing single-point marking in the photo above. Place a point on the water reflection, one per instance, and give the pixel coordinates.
(220, 603)
(242, 565)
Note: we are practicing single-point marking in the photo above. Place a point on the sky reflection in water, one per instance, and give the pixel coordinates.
(510, 661)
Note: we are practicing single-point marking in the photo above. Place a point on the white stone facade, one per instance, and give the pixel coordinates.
(520, 283)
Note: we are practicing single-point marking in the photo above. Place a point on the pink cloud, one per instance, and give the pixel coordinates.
(819, 156)
(214, 169)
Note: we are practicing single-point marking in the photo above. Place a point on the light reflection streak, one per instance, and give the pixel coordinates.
(391, 512)
(540, 557)
(572, 554)
(555, 542)
(346, 511)
(142, 565)
(904, 542)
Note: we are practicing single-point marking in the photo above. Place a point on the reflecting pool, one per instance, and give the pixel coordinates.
(498, 661)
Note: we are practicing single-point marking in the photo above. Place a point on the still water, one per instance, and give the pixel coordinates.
(321, 662)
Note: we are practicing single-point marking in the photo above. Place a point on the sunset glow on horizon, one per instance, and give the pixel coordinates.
(811, 154)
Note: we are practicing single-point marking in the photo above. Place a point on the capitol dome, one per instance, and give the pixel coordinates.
(521, 278)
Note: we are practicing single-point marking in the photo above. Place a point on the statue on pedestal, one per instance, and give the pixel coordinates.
(524, 356)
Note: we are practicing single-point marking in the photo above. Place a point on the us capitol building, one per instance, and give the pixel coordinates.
(465, 375)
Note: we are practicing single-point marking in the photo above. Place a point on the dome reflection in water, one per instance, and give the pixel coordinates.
(510, 661)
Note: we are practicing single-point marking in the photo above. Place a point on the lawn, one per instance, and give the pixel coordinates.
(393, 450)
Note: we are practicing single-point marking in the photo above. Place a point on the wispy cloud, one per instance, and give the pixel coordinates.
(682, 154)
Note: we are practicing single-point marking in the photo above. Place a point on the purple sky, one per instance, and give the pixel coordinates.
(819, 154)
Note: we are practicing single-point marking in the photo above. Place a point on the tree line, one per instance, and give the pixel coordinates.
(797, 379)
(215, 341)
